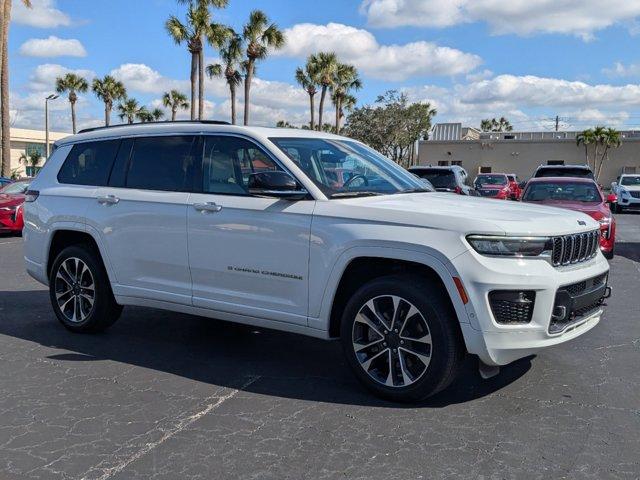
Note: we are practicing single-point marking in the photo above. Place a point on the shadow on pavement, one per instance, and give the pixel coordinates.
(630, 250)
(223, 354)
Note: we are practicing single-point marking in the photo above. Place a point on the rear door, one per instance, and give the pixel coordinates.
(248, 254)
(141, 217)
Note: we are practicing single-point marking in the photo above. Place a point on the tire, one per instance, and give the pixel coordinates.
(411, 378)
(76, 312)
(618, 208)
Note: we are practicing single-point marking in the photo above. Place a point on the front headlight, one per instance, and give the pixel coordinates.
(511, 246)
(605, 221)
(624, 192)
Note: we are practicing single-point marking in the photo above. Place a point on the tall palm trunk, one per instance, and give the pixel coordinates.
(312, 107)
(247, 89)
(201, 84)
(321, 108)
(174, 112)
(338, 108)
(232, 91)
(73, 115)
(194, 74)
(107, 113)
(4, 95)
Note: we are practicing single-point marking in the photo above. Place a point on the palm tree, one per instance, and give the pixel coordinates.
(108, 89)
(157, 114)
(259, 35)
(5, 143)
(493, 125)
(231, 55)
(73, 84)
(609, 138)
(144, 115)
(325, 65)
(347, 103)
(586, 138)
(198, 27)
(306, 78)
(175, 100)
(129, 109)
(345, 79)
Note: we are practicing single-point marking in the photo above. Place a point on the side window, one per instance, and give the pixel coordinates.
(229, 161)
(162, 163)
(89, 163)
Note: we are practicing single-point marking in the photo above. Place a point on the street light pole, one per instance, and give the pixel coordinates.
(46, 123)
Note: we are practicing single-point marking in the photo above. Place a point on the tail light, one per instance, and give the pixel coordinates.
(31, 196)
(457, 190)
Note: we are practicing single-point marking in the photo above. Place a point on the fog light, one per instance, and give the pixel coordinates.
(512, 306)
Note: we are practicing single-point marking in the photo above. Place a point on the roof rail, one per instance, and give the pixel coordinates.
(162, 122)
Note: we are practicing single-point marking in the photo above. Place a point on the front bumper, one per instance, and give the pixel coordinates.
(628, 201)
(498, 343)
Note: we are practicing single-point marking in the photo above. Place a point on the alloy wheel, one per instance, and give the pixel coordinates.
(75, 290)
(392, 341)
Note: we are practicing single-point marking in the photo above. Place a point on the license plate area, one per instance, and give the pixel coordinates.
(577, 301)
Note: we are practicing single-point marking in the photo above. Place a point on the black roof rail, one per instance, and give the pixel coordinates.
(161, 122)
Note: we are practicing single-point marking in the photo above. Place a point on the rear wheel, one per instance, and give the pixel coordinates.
(400, 337)
(80, 291)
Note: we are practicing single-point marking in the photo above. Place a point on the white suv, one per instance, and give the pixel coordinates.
(311, 233)
(627, 191)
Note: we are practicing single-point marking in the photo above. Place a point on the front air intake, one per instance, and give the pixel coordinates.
(512, 306)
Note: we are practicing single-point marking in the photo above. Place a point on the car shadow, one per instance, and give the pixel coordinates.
(630, 250)
(224, 354)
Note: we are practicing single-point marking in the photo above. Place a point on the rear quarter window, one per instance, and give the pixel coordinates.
(89, 163)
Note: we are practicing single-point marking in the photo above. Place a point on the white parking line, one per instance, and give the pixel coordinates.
(181, 425)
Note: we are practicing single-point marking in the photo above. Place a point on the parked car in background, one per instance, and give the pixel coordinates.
(627, 191)
(446, 178)
(5, 181)
(580, 194)
(11, 207)
(575, 171)
(493, 185)
(427, 184)
(514, 184)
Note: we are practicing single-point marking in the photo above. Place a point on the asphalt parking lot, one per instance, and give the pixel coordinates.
(164, 395)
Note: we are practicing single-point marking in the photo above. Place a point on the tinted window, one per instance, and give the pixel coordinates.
(89, 163)
(118, 176)
(565, 172)
(438, 178)
(491, 180)
(229, 161)
(162, 163)
(630, 181)
(562, 191)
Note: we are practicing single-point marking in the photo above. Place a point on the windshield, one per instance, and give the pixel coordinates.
(565, 191)
(347, 168)
(18, 187)
(491, 180)
(438, 178)
(565, 172)
(630, 181)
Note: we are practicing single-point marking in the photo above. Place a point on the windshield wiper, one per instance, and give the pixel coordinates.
(415, 190)
(354, 194)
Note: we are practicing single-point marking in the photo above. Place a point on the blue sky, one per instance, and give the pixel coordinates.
(529, 60)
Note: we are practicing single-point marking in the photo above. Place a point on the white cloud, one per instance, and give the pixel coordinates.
(44, 76)
(389, 62)
(53, 47)
(521, 17)
(43, 14)
(621, 70)
(138, 77)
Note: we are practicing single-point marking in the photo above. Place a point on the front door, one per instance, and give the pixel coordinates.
(248, 255)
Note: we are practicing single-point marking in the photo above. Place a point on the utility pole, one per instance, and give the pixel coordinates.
(557, 122)
(46, 124)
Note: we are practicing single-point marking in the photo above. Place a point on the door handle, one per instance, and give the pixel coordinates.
(108, 200)
(207, 207)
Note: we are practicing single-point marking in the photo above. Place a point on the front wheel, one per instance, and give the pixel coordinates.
(80, 291)
(401, 338)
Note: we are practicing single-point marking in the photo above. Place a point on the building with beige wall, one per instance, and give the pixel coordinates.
(522, 152)
(25, 142)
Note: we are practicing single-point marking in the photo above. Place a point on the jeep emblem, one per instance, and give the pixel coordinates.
(583, 223)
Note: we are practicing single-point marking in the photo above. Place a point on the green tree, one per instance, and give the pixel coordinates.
(108, 89)
(602, 139)
(493, 125)
(144, 115)
(175, 100)
(5, 142)
(72, 84)
(231, 56)
(259, 35)
(129, 109)
(586, 138)
(307, 79)
(345, 80)
(157, 114)
(193, 32)
(392, 125)
(324, 64)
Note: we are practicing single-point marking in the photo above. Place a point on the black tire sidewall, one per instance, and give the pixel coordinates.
(446, 348)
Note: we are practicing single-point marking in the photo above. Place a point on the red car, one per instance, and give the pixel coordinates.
(514, 184)
(580, 194)
(11, 200)
(493, 185)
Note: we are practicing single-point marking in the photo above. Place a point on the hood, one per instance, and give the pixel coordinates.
(10, 200)
(631, 188)
(463, 214)
(594, 210)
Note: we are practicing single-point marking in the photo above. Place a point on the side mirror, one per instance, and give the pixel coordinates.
(614, 184)
(522, 184)
(612, 198)
(275, 184)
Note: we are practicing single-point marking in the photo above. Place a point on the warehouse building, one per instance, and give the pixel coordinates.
(520, 152)
(24, 143)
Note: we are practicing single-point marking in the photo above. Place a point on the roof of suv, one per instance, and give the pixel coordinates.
(561, 180)
(560, 167)
(437, 167)
(159, 128)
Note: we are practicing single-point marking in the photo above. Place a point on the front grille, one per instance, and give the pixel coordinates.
(488, 193)
(573, 302)
(512, 306)
(635, 194)
(576, 248)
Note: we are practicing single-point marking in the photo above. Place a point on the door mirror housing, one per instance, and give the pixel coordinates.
(612, 198)
(276, 184)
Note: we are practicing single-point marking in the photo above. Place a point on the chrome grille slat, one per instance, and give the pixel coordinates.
(575, 248)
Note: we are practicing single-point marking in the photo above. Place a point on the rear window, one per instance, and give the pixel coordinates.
(565, 172)
(438, 178)
(89, 163)
(491, 180)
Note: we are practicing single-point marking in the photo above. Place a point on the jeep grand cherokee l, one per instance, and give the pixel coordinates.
(251, 225)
